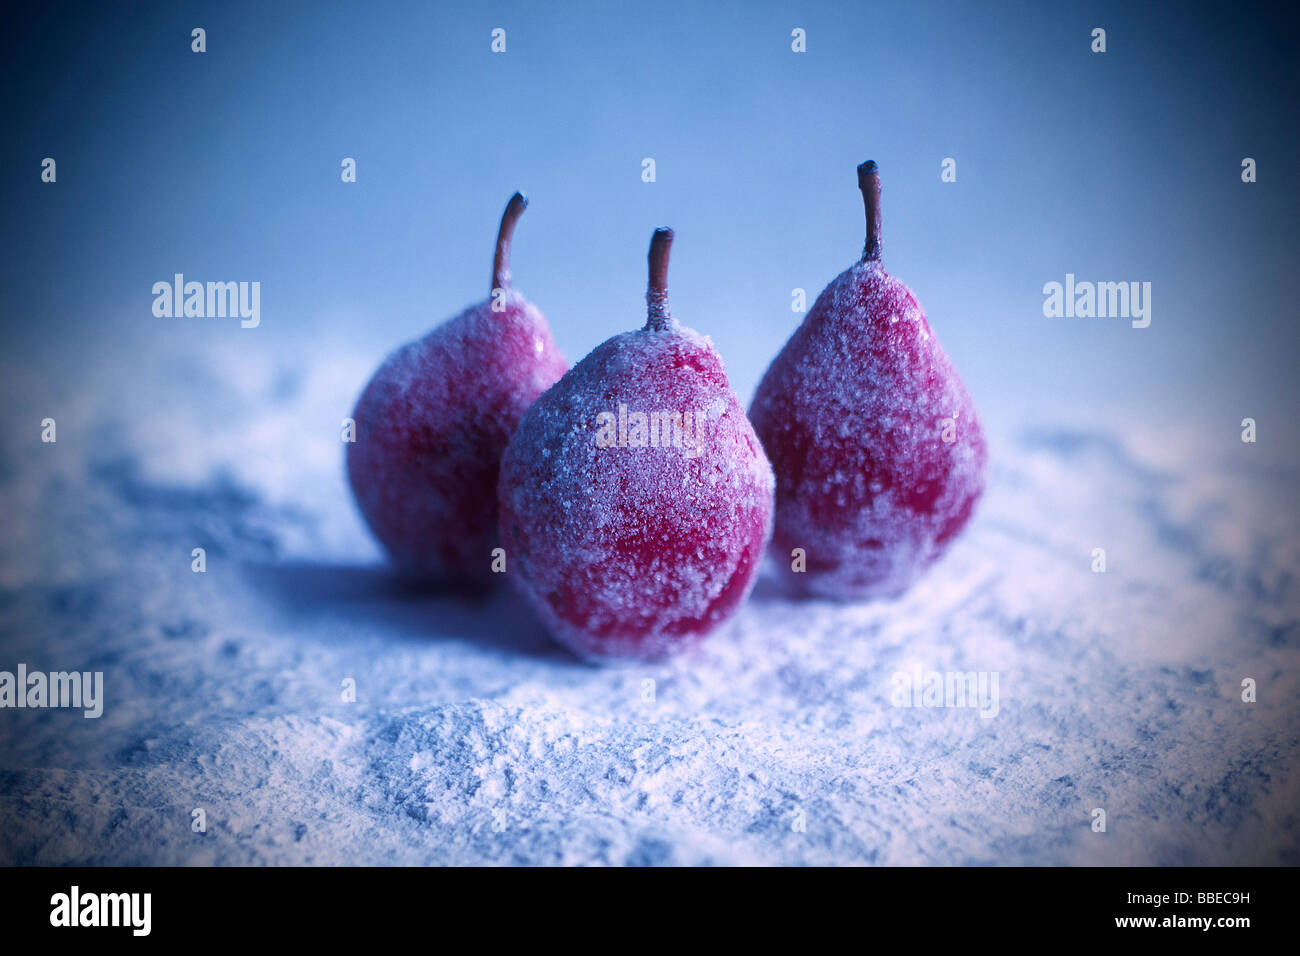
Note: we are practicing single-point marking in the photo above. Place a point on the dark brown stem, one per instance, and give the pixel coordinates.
(656, 297)
(501, 261)
(869, 183)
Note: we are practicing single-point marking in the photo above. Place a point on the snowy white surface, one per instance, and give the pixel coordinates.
(475, 739)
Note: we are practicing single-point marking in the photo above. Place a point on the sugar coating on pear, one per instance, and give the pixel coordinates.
(433, 421)
(877, 449)
(635, 498)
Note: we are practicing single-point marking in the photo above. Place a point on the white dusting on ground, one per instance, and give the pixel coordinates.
(1118, 690)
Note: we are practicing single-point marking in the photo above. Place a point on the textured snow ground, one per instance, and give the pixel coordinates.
(474, 739)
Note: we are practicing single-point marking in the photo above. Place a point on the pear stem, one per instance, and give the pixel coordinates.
(501, 261)
(869, 183)
(656, 297)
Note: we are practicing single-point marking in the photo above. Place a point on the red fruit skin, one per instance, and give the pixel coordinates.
(851, 414)
(629, 552)
(430, 430)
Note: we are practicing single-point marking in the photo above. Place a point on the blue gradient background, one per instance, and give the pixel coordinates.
(225, 166)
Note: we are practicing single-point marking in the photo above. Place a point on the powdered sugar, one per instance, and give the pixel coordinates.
(475, 740)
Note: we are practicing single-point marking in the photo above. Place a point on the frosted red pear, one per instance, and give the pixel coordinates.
(878, 452)
(627, 544)
(433, 422)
